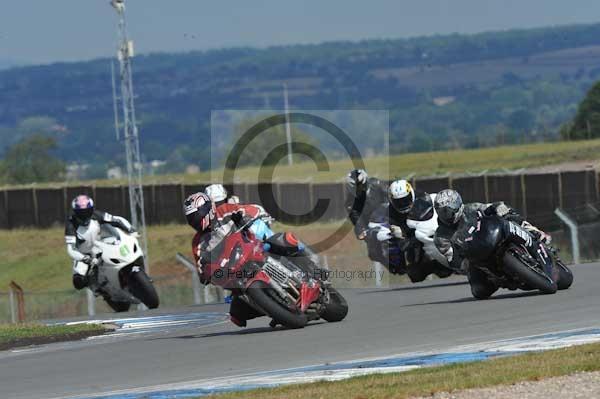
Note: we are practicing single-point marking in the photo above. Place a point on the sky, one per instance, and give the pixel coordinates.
(45, 31)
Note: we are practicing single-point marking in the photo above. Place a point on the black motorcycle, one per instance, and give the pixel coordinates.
(497, 251)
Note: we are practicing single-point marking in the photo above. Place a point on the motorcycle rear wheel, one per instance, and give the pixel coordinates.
(259, 293)
(524, 274)
(337, 308)
(141, 287)
(565, 275)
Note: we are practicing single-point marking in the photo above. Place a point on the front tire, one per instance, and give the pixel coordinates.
(524, 274)
(337, 308)
(259, 293)
(141, 287)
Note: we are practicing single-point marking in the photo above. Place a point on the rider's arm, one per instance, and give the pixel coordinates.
(115, 221)
(443, 242)
(197, 252)
(71, 241)
(354, 207)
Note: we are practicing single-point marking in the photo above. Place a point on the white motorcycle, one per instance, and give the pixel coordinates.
(119, 275)
(425, 232)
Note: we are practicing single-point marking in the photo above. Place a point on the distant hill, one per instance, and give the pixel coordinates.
(443, 92)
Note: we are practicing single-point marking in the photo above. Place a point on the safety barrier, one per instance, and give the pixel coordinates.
(534, 195)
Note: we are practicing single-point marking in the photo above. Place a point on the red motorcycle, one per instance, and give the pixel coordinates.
(272, 284)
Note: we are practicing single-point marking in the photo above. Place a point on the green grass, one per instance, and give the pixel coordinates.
(10, 333)
(427, 381)
(419, 164)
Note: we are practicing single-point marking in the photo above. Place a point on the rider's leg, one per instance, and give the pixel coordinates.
(80, 271)
(240, 312)
(286, 244)
(418, 272)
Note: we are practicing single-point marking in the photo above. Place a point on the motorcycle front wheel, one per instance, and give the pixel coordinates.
(141, 287)
(261, 294)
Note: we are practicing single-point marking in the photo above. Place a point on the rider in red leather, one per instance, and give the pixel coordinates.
(205, 218)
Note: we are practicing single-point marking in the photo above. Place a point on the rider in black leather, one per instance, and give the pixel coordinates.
(453, 218)
(364, 195)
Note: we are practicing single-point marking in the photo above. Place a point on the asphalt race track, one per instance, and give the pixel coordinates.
(421, 317)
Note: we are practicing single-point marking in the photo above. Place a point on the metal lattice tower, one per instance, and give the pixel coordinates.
(127, 131)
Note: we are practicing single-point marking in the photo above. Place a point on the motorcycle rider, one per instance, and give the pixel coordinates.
(213, 224)
(80, 250)
(364, 195)
(226, 206)
(404, 203)
(219, 195)
(449, 237)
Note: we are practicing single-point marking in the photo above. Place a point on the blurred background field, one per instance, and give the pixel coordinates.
(551, 155)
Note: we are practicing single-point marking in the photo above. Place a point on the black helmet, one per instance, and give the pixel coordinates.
(356, 181)
(449, 206)
(83, 209)
(199, 211)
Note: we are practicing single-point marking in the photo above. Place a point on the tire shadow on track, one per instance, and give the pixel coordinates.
(414, 287)
(245, 331)
(512, 295)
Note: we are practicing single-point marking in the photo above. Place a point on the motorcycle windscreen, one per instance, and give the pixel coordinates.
(482, 238)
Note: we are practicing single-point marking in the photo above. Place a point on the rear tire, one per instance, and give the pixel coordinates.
(118, 306)
(259, 291)
(565, 275)
(514, 267)
(141, 287)
(337, 308)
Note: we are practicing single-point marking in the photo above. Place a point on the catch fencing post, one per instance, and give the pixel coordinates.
(17, 291)
(195, 278)
(574, 233)
(91, 302)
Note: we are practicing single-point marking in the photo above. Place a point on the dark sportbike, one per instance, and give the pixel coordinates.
(502, 254)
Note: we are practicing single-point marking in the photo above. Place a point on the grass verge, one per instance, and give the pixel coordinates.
(426, 381)
(15, 335)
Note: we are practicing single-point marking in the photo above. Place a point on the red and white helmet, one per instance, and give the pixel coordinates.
(199, 211)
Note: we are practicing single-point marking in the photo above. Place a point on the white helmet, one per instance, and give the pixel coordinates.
(401, 196)
(216, 192)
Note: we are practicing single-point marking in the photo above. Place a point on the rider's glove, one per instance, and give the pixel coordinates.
(397, 231)
(87, 259)
(502, 210)
(237, 218)
(384, 234)
(362, 235)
